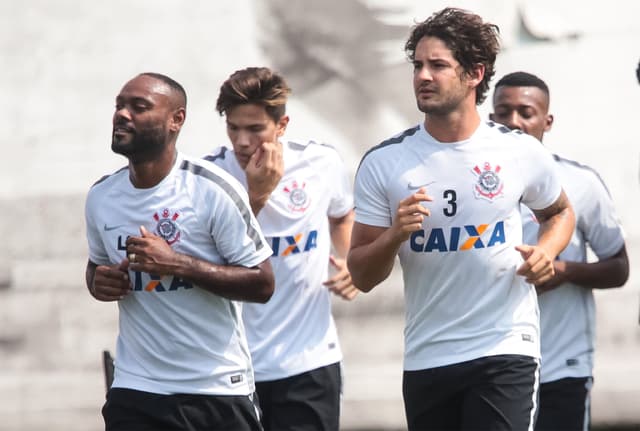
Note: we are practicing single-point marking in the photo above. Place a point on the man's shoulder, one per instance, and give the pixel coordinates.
(204, 171)
(310, 147)
(219, 155)
(575, 166)
(391, 144)
(579, 175)
(502, 132)
(108, 180)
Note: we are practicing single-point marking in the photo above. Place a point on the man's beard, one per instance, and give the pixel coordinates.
(447, 104)
(443, 107)
(144, 145)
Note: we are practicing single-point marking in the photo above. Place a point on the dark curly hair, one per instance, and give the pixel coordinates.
(471, 40)
(259, 85)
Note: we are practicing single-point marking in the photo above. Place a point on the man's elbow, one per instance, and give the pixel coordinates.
(365, 288)
(622, 273)
(265, 292)
(265, 286)
(359, 279)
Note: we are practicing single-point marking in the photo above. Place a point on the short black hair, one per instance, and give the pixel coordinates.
(522, 79)
(171, 83)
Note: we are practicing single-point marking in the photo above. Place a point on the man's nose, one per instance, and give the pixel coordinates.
(424, 74)
(122, 113)
(514, 121)
(243, 139)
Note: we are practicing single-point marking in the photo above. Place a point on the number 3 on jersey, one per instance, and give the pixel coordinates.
(450, 197)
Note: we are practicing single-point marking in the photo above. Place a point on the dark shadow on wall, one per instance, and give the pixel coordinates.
(333, 55)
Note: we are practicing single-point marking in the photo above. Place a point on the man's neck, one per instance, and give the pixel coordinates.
(147, 174)
(453, 127)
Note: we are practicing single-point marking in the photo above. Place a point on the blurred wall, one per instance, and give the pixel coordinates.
(64, 61)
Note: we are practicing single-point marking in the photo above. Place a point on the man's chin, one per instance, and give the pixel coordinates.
(121, 148)
(243, 162)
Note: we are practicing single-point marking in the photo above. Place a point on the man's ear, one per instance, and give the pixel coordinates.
(476, 75)
(177, 119)
(548, 122)
(281, 125)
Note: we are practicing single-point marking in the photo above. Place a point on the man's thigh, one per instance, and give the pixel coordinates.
(307, 401)
(495, 392)
(433, 398)
(503, 395)
(565, 404)
(129, 410)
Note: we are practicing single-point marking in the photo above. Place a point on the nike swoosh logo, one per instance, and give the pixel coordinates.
(108, 228)
(413, 186)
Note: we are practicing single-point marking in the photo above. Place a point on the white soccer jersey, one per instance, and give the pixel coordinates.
(463, 299)
(294, 332)
(174, 336)
(567, 313)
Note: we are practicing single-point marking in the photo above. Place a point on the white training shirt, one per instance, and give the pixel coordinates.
(567, 313)
(463, 299)
(174, 336)
(294, 332)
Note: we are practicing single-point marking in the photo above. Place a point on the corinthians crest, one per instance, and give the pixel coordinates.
(298, 199)
(167, 227)
(489, 185)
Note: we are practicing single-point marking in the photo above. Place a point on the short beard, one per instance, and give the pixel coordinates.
(144, 146)
(439, 110)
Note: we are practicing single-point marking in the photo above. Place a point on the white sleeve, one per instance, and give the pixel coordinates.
(371, 203)
(342, 195)
(224, 207)
(97, 251)
(597, 218)
(539, 169)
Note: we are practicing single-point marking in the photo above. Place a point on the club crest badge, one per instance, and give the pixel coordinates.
(167, 227)
(488, 185)
(298, 198)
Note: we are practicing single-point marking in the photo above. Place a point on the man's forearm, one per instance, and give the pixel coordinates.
(230, 281)
(370, 264)
(90, 274)
(603, 274)
(340, 230)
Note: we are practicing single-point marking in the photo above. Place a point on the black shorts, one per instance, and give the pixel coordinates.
(131, 410)
(494, 392)
(565, 405)
(307, 401)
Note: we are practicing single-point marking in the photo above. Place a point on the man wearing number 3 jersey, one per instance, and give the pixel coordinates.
(445, 197)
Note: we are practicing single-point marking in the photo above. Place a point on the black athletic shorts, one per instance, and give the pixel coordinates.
(490, 393)
(131, 410)
(307, 401)
(565, 405)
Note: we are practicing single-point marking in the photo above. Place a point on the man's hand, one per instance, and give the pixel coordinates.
(341, 283)
(559, 277)
(111, 282)
(264, 171)
(410, 215)
(537, 267)
(150, 253)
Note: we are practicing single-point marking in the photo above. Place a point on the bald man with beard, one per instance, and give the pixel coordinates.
(173, 241)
